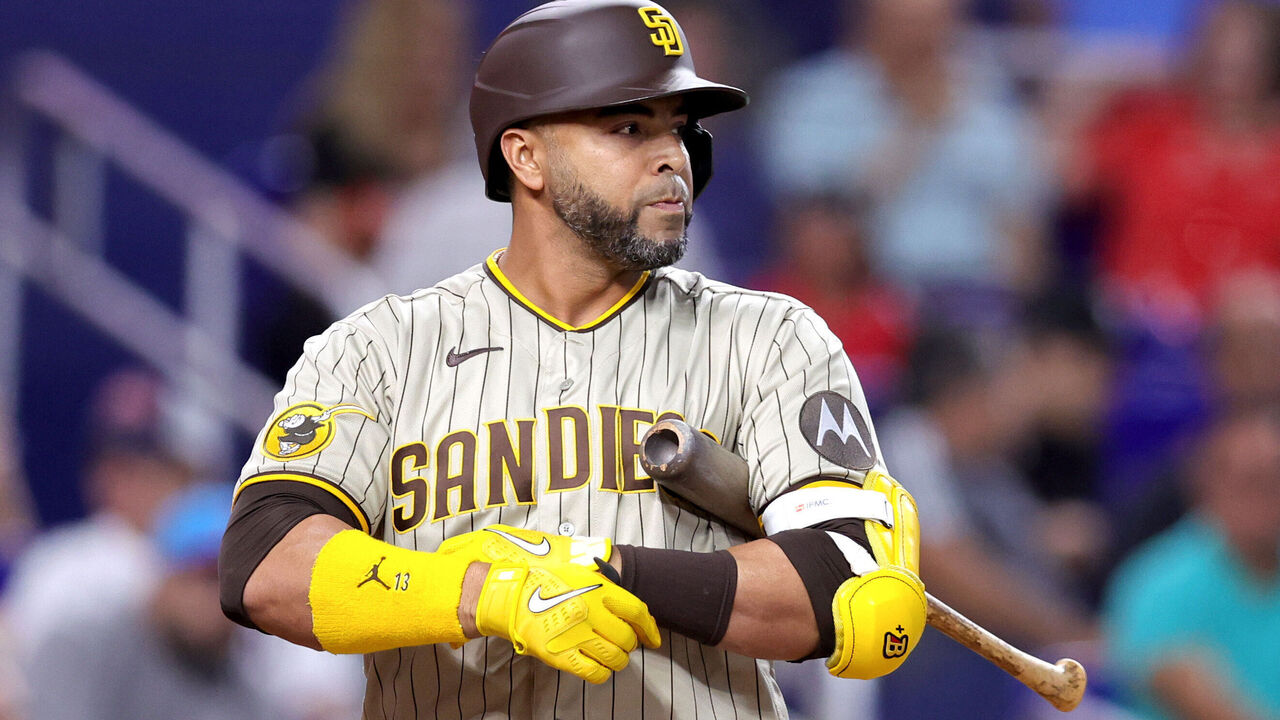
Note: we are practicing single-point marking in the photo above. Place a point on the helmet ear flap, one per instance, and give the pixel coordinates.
(697, 140)
(499, 178)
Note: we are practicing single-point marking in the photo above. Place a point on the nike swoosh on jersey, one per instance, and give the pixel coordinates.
(454, 357)
(539, 604)
(541, 549)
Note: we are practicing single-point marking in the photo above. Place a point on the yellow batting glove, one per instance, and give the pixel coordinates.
(569, 617)
(506, 544)
(879, 618)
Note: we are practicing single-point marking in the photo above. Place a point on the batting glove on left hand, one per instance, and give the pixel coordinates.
(506, 544)
(571, 618)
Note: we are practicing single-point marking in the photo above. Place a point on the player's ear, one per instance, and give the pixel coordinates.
(524, 151)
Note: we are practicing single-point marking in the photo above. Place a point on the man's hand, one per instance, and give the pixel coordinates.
(569, 617)
(543, 594)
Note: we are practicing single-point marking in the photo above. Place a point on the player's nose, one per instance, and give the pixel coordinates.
(670, 154)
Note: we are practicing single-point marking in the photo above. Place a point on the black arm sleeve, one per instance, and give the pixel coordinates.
(263, 514)
(822, 568)
(691, 593)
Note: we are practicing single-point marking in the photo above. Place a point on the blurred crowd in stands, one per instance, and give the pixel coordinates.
(1047, 232)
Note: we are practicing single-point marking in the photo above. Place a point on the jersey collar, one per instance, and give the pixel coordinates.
(491, 266)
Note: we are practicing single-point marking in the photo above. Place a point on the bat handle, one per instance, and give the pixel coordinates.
(1062, 683)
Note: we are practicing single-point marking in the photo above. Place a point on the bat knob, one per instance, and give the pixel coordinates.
(1068, 690)
(665, 449)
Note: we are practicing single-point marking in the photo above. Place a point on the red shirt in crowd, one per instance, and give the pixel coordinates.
(1186, 204)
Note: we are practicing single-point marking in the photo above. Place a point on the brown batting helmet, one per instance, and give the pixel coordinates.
(581, 54)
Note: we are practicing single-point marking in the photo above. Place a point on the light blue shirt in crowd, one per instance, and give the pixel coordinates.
(1185, 592)
(825, 122)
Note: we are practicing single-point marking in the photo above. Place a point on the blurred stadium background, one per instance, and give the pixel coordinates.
(1048, 232)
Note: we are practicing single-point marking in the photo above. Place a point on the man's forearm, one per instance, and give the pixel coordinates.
(276, 595)
(772, 617)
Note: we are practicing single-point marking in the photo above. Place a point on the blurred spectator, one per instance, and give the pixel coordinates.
(1238, 356)
(13, 688)
(107, 556)
(344, 198)
(393, 81)
(980, 544)
(1189, 175)
(1184, 179)
(1243, 342)
(440, 222)
(17, 513)
(1066, 365)
(912, 114)
(1193, 617)
(1065, 368)
(382, 112)
(403, 100)
(824, 264)
(17, 523)
(393, 97)
(299, 683)
(441, 225)
(171, 656)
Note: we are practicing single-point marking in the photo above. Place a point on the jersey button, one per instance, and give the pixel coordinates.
(566, 528)
(566, 384)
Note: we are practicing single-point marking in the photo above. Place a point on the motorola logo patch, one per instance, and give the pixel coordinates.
(837, 431)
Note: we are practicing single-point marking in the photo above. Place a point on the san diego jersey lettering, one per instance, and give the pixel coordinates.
(462, 406)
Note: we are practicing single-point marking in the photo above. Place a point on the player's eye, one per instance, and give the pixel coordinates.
(631, 128)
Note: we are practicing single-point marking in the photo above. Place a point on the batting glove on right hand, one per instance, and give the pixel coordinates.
(569, 617)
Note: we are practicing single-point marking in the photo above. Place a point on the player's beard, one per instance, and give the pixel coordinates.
(609, 230)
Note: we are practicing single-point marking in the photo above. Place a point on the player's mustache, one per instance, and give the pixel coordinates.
(675, 188)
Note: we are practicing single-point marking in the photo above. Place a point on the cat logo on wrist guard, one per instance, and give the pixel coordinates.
(304, 430)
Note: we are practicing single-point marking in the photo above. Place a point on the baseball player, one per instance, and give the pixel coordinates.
(476, 521)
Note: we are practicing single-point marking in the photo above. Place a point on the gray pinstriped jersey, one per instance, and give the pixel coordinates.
(463, 405)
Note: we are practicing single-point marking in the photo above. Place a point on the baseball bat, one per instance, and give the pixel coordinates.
(701, 474)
